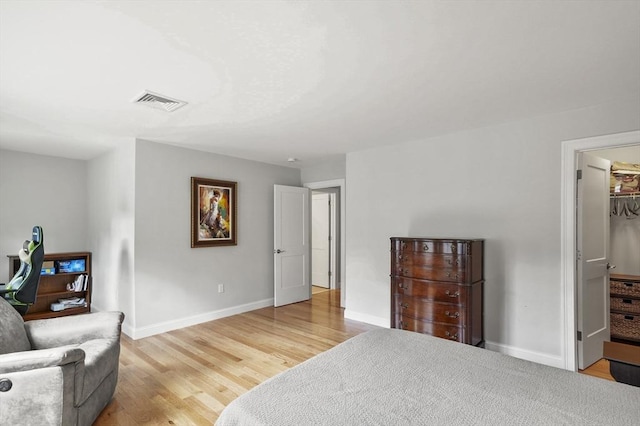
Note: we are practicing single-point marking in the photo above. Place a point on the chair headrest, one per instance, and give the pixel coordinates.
(36, 234)
(29, 246)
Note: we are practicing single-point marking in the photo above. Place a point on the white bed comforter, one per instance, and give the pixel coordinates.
(394, 377)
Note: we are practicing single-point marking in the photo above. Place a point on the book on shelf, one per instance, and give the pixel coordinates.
(79, 284)
(48, 268)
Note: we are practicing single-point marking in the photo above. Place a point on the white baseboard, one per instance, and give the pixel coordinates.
(128, 330)
(163, 327)
(369, 319)
(538, 357)
(142, 332)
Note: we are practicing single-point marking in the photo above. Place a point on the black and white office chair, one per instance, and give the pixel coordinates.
(22, 290)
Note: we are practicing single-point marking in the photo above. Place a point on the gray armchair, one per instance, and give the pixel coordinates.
(58, 371)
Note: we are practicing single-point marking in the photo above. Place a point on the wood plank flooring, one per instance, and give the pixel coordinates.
(599, 369)
(188, 376)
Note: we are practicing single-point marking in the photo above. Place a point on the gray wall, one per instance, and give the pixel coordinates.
(500, 183)
(45, 191)
(175, 284)
(131, 208)
(111, 183)
(327, 170)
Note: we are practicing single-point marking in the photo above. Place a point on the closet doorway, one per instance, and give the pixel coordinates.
(571, 234)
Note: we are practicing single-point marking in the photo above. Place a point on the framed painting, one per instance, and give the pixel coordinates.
(213, 212)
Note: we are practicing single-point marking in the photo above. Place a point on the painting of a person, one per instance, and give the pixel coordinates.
(214, 212)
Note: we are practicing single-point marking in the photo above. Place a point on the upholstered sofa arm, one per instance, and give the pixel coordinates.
(31, 360)
(74, 329)
(39, 387)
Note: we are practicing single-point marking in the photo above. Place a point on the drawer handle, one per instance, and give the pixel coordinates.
(451, 262)
(456, 294)
(454, 248)
(451, 336)
(404, 305)
(405, 272)
(628, 284)
(627, 301)
(450, 315)
(455, 277)
(426, 247)
(402, 286)
(628, 317)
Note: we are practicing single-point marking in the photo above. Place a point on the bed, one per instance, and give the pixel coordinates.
(395, 377)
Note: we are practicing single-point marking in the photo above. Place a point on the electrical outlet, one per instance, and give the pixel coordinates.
(220, 288)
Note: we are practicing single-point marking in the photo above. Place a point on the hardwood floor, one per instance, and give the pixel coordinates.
(188, 376)
(317, 289)
(599, 369)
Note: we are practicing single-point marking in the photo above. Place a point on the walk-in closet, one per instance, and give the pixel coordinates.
(624, 243)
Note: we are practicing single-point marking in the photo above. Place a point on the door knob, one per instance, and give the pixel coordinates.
(278, 251)
(610, 266)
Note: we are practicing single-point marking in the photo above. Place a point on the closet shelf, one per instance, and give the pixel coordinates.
(624, 194)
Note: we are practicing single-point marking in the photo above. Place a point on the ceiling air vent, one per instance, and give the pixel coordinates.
(157, 101)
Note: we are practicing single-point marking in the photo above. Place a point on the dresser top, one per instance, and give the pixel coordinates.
(435, 239)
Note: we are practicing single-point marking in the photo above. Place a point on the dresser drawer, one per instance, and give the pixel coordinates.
(435, 259)
(437, 267)
(428, 272)
(437, 291)
(429, 310)
(444, 331)
(432, 246)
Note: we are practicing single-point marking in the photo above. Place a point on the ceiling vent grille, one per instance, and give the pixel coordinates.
(157, 101)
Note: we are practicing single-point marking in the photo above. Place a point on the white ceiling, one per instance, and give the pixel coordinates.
(268, 80)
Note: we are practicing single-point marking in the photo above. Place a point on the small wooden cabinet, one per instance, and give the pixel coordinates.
(437, 287)
(624, 291)
(54, 287)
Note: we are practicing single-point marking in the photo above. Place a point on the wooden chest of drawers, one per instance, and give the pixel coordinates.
(436, 287)
(624, 291)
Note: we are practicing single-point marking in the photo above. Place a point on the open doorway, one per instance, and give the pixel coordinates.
(328, 243)
(324, 252)
(571, 307)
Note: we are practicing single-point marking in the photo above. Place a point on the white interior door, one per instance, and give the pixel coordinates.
(320, 235)
(291, 251)
(592, 258)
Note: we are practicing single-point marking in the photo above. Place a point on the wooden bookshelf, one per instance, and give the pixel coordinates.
(54, 287)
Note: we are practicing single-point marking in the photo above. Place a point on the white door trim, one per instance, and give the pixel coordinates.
(321, 239)
(332, 243)
(340, 183)
(568, 195)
